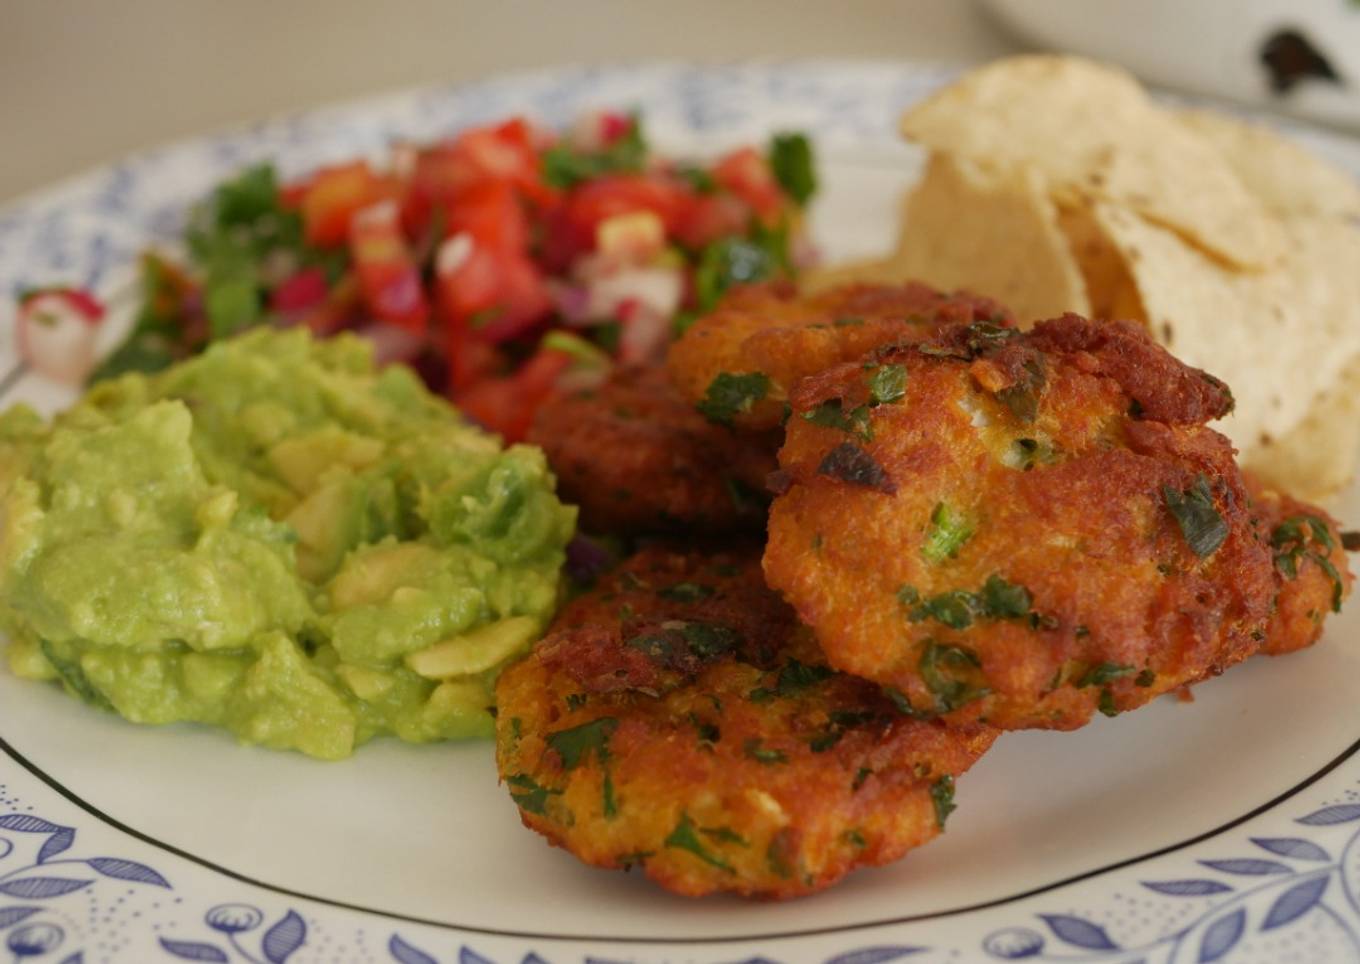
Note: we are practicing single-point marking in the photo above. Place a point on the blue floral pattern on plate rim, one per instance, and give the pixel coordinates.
(1282, 880)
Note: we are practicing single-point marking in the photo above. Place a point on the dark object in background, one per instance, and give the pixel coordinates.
(1290, 58)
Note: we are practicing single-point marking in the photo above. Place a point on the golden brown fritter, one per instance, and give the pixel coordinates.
(1020, 528)
(636, 459)
(1312, 576)
(739, 363)
(677, 718)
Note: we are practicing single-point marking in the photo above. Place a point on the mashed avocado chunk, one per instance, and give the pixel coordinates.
(278, 539)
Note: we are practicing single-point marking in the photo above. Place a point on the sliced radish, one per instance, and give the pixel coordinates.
(55, 332)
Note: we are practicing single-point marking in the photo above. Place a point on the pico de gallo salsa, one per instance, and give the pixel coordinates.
(505, 264)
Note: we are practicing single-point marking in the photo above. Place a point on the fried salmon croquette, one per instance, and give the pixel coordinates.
(678, 719)
(739, 363)
(638, 459)
(1020, 528)
(1311, 574)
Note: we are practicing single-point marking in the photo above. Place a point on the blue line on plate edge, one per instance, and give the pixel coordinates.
(94, 811)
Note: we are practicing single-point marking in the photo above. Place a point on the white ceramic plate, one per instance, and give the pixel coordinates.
(1225, 829)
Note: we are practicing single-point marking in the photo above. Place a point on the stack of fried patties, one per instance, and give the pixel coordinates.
(972, 529)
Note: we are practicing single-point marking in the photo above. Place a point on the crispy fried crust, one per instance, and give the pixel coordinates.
(638, 459)
(1076, 586)
(771, 330)
(676, 718)
(1312, 575)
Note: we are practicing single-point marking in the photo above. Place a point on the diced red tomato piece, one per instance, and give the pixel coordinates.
(491, 213)
(389, 278)
(507, 405)
(747, 174)
(337, 310)
(570, 229)
(713, 217)
(333, 197)
(497, 294)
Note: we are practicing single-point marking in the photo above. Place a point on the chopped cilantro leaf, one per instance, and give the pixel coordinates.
(731, 262)
(1005, 600)
(530, 796)
(1106, 703)
(888, 384)
(1102, 673)
(706, 640)
(575, 745)
(942, 795)
(698, 178)
(683, 837)
(792, 163)
(730, 395)
(949, 530)
(1145, 679)
(576, 700)
(1022, 398)
(939, 666)
(724, 835)
(954, 608)
(861, 775)
(855, 838)
(908, 595)
(831, 414)
(565, 166)
(1199, 521)
(611, 807)
(753, 749)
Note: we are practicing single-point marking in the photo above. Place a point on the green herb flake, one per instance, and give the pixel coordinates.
(565, 167)
(575, 745)
(855, 838)
(725, 835)
(949, 529)
(753, 749)
(792, 162)
(942, 795)
(529, 795)
(1145, 679)
(611, 808)
(941, 668)
(826, 740)
(848, 322)
(908, 595)
(1005, 600)
(831, 414)
(683, 837)
(1022, 398)
(954, 608)
(861, 775)
(1201, 525)
(706, 640)
(888, 384)
(735, 261)
(731, 395)
(576, 700)
(1106, 703)
(1102, 673)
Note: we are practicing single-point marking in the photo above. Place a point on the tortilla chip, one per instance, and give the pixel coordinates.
(990, 234)
(1109, 285)
(1318, 458)
(1284, 177)
(1092, 131)
(1279, 338)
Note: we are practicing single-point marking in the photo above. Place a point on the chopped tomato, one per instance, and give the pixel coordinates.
(571, 229)
(299, 292)
(498, 294)
(491, 213)
(747, 175)
(713, 217)
(338, 308)
(507, 406)
(389, 278)
(333, 197)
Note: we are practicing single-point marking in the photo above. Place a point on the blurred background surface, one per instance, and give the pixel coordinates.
(84, 82)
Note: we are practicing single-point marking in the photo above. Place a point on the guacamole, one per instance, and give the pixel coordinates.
(277, 539)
